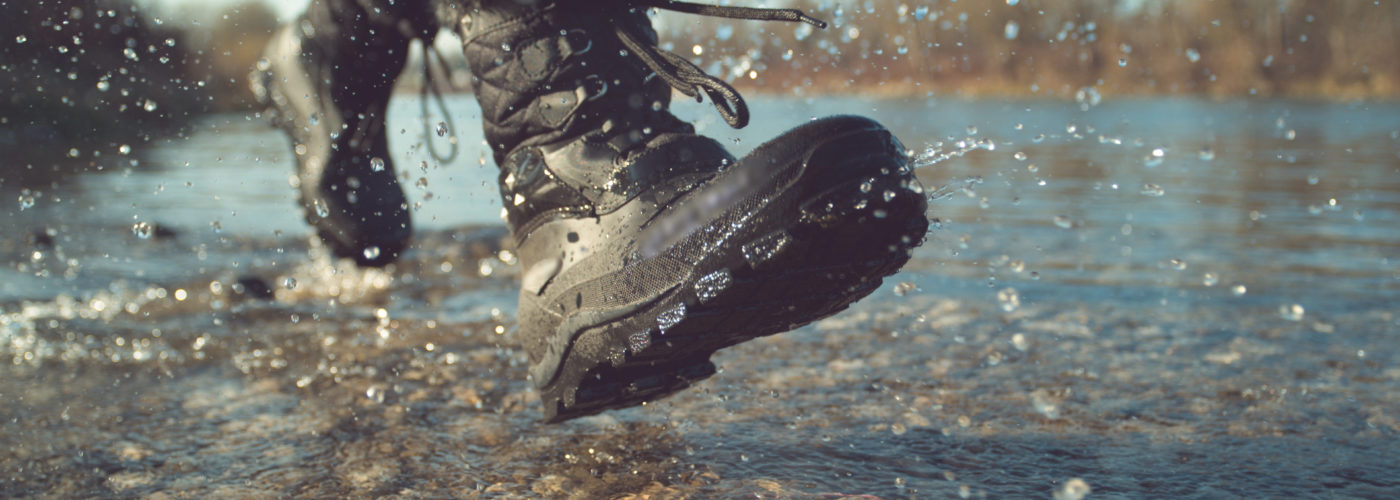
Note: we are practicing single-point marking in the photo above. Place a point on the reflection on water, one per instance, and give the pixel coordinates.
(1174, 298)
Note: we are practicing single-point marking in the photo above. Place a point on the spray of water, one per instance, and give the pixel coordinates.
(940, 152)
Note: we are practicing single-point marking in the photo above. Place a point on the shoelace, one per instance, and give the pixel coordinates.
(675, 70)
(686, 77)
(430, 85)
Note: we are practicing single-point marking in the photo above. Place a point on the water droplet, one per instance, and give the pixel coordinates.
(289, 283)
(1239, 290)
(299, 149)
(1019, 156)
(1011, 30)
(710, 285)
(1207, 154)
(905, 288)
(670, 318)
(1020, 342)
(321, 209)
(376, 164)
(441, 129)
(1010, 300)
(1088, 97)
(142, 230)
(1153, 190)
(371, 252)
(149, 106)
(1177, 264)
(1192, 55)
(131, 54)
(374, 393)
(724, 32)
(26, 201)
(889, 195)
(1291, 312)
(1313, 180)
(1063, 222)
(21, 39)
(1210, 279)
(124, 149)
(1073, 489)
(1122, 62)
(1045, 404)
(103, 85)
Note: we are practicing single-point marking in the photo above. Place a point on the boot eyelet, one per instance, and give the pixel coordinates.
(595, 87)
(576, 38)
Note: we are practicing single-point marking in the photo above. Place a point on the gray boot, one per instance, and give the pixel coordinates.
(645, 248)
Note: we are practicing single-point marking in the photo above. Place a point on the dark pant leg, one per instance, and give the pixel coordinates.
(366, 42)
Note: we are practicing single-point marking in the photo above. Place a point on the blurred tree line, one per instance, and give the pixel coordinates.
(80, 69)
(96, 73)
(1065, 48)
(96, 68)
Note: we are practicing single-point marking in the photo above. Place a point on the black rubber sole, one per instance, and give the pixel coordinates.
(793, 262)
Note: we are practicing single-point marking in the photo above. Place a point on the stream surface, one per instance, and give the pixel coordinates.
(1147, 298)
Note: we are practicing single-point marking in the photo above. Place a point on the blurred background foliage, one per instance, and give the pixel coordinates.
(1058, 48)
(107, 68)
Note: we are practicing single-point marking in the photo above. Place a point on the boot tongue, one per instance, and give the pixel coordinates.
(672, 161)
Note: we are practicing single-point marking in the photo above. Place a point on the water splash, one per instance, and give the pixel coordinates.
(940, 152)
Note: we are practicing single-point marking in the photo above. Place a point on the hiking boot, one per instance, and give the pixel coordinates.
(330, 93)
(645, 247)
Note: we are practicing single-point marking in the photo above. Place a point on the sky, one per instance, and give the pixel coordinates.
(285, 9)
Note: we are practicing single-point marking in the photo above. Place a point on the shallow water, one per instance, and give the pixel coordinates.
(1216, 319)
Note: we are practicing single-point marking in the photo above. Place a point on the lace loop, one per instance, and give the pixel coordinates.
(689, 79)
(730, 12)
(429, 84)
